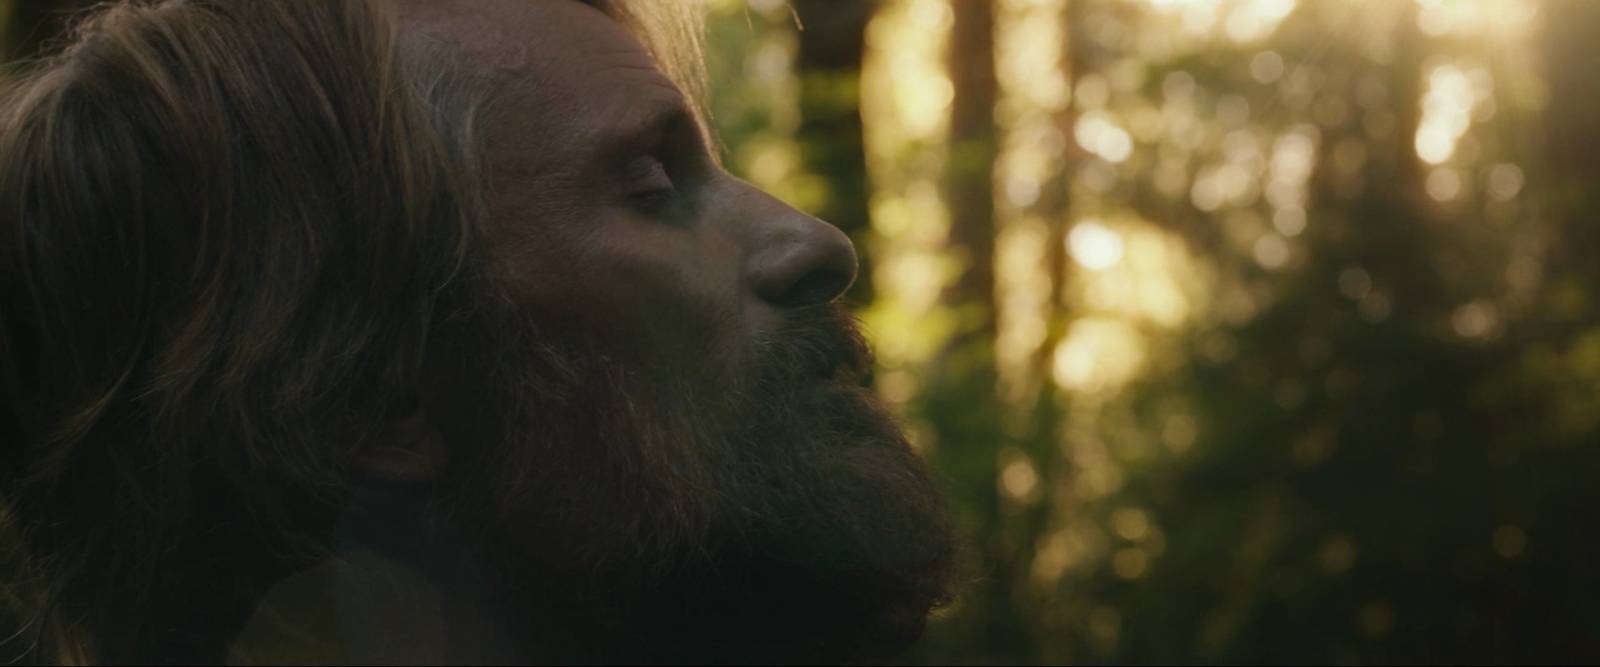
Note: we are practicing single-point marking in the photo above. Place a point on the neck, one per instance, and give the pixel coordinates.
(401, 586)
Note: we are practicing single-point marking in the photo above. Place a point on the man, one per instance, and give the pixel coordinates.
(427, 330)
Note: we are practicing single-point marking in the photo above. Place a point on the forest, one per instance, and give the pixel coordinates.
(1243, 331)
(1240, 330)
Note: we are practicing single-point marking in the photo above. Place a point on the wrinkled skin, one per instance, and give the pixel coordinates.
(646, 412)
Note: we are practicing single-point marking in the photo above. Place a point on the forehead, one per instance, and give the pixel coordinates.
(554, 69)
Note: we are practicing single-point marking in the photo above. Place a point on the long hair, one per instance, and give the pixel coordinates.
(223, 227)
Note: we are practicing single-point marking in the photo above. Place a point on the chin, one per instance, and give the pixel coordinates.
(664, 518)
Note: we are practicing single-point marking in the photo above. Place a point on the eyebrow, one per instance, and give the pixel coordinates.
(646, 121)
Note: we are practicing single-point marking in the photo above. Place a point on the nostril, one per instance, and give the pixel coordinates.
(818, 286)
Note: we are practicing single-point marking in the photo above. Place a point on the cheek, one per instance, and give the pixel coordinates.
(633, 289)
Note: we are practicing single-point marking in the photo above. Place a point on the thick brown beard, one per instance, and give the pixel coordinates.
(674, 513)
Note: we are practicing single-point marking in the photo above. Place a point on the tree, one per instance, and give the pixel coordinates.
(1571, 54)
(969, 181)
(832, 40)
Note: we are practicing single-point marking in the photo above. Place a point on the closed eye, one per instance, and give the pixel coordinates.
(647, 175)
(662, 164)
(648, 185)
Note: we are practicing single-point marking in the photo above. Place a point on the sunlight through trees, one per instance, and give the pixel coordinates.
(1283, 348)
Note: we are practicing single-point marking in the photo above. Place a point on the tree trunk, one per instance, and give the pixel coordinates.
(970, 175)
(1571, 58)
(832, 39)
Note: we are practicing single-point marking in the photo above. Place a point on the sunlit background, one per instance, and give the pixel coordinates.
(1251, 330)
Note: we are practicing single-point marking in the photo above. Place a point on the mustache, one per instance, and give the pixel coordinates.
(814, 342)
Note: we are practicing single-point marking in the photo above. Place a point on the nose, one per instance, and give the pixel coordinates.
(795, 259)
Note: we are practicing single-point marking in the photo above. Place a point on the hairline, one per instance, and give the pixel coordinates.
(457, 99)
(669, 31)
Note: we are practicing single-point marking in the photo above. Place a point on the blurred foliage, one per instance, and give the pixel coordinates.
(1284, 349)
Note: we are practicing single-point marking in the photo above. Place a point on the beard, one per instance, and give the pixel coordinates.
(748, 502)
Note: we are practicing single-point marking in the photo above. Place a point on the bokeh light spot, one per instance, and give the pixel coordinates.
(1271, 251)
(1338, 555)
(1130, 523)
(1443, 184)
(1376, 619)
(1354, 282)
(1018, 479)
(1094, 246)
(1509, 541)
(1476, 319)
(1505, 181)
(1266, 67)
(1130, 563)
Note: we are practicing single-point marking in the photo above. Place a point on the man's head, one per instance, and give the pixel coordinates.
(259, 256)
